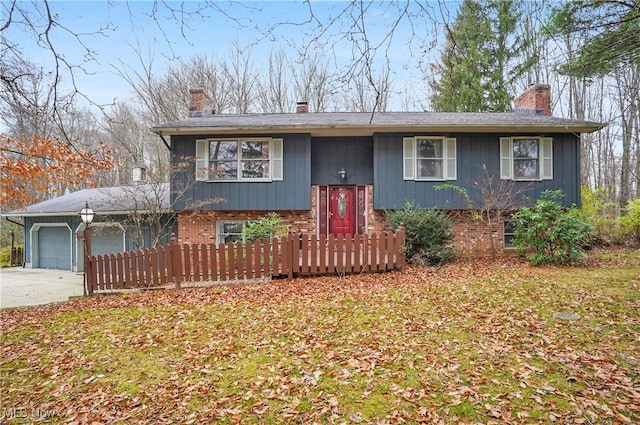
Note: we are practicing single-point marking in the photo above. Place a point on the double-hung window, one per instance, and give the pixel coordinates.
(429, 158)
(248, 159)
(526, 158)
(508, 234)
(229, 231)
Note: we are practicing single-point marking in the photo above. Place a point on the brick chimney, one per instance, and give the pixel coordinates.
(302, 108)
(197, 102)
(536, 99)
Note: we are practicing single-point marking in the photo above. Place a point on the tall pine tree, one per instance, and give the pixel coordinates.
(481, 60)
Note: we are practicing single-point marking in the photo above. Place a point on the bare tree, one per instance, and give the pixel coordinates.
(165, 96)
(241, 79)
(313, 80)
(154, 203)
(495, 198)
(627, 81)
(276, 95)
(37, 23)
(365, 96)
(27, 102)
(133, 145)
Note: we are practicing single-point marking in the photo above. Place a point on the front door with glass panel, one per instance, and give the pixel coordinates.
(342, 210)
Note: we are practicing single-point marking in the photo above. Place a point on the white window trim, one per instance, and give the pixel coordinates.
(505, 224)
(545, 158)
(275, 159)
(220, 224)
(449, 158)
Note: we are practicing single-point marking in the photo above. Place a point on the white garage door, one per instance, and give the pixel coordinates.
(54, 248)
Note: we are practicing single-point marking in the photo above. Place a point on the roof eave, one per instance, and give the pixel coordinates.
(71, 214)
(369, 130)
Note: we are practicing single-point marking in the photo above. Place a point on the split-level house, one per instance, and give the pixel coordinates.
(338, 173)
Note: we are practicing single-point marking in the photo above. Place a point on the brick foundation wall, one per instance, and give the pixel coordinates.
(200, 226)
(472, 237)
(376, 222)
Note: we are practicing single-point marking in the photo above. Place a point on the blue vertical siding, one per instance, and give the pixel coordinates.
(473, 150)
(292, 193)
(330, 154)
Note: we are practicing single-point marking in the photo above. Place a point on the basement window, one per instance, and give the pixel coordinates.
(508, 234)
(229, 231)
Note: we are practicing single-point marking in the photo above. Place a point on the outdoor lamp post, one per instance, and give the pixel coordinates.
(86, 215)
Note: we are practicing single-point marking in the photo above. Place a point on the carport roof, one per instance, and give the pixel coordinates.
(103, 200)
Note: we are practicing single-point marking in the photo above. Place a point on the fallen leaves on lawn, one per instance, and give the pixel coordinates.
(471, 342)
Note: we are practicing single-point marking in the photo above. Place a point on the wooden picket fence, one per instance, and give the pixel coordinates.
(16, 256)
(295, 255)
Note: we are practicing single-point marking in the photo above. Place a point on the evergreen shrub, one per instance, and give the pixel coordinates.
(548, 233)
(267, 227)
(429, 239)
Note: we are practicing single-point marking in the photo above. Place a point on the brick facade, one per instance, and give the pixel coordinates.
(473, 237)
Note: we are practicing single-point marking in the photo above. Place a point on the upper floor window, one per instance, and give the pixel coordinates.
(250, 159)
(526, 158)
(429, 158)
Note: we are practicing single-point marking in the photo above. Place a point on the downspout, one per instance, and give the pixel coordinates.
(159, 133)
(14, 222)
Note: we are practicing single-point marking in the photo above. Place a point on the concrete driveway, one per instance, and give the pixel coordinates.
(24, 287)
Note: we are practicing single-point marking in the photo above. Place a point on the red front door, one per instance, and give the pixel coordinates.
(342, 211)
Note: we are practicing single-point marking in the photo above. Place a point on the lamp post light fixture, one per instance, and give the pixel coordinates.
(86, 215)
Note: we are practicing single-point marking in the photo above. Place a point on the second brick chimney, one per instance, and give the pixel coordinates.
(536, 99)
(197, 101)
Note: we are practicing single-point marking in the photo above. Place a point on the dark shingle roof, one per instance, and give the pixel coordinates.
(367, 123)
(121, 199)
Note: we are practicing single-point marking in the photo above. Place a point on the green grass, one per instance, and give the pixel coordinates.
(472, 342)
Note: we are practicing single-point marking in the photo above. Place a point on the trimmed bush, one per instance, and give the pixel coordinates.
(5, 256)
(267, 227)
(429, 239)
(547, 233)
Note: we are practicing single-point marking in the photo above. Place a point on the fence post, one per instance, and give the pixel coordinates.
(12, 255)
(400, 235)
(176, 261)
(291, 239)
(88, 270)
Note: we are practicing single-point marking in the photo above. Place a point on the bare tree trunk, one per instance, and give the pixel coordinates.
(628, 86)
(275, 88)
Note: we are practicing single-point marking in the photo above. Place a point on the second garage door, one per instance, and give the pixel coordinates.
(54, 248)
(107, 240)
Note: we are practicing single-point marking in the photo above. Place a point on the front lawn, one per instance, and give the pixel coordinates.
(471, 342)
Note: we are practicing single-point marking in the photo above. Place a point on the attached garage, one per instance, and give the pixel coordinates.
(108, 239)
(52, 247)
(54, 232)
